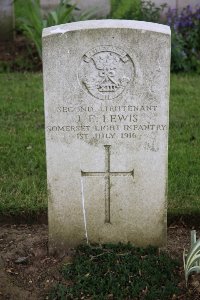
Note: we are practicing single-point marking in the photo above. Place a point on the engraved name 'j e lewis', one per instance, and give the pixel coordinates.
(105, 72)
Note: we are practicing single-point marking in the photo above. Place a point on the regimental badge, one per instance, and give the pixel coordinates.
(105, 72)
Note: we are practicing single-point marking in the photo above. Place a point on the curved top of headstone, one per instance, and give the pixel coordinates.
(96, 24)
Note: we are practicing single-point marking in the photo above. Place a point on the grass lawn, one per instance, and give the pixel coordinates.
(184, 145)
(22, 146)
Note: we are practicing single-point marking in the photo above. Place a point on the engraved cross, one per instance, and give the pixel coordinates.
(107, 175)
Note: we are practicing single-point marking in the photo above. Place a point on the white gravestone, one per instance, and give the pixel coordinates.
(106, 85)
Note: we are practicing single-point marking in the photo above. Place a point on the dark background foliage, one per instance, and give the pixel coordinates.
(26, 52)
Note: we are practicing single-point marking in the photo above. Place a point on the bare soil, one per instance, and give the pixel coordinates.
(28, 272)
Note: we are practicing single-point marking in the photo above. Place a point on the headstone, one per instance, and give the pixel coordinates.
(6, 21)
(106, 85)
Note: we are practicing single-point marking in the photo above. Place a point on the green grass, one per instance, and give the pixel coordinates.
(184, 144)
(22, 147)
(118, 272)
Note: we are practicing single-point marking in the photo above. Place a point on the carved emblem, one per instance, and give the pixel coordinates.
(105, 72)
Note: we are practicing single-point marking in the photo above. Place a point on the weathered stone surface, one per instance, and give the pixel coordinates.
(106, 87)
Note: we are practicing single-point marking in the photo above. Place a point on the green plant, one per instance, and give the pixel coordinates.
(185, 26)
(178, 55)
(129, 9)
(5, 66)
(150, 12)
(33, 21)
(192, 259)
(136, 10)
(118, 272)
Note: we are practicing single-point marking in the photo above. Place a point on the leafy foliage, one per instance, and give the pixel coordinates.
(185, 38)
(185, 28)
(151, 12)
(192, 259)
(129, 9)
(178, 56)
(136, 10)
(118, 272)
(33, 21)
